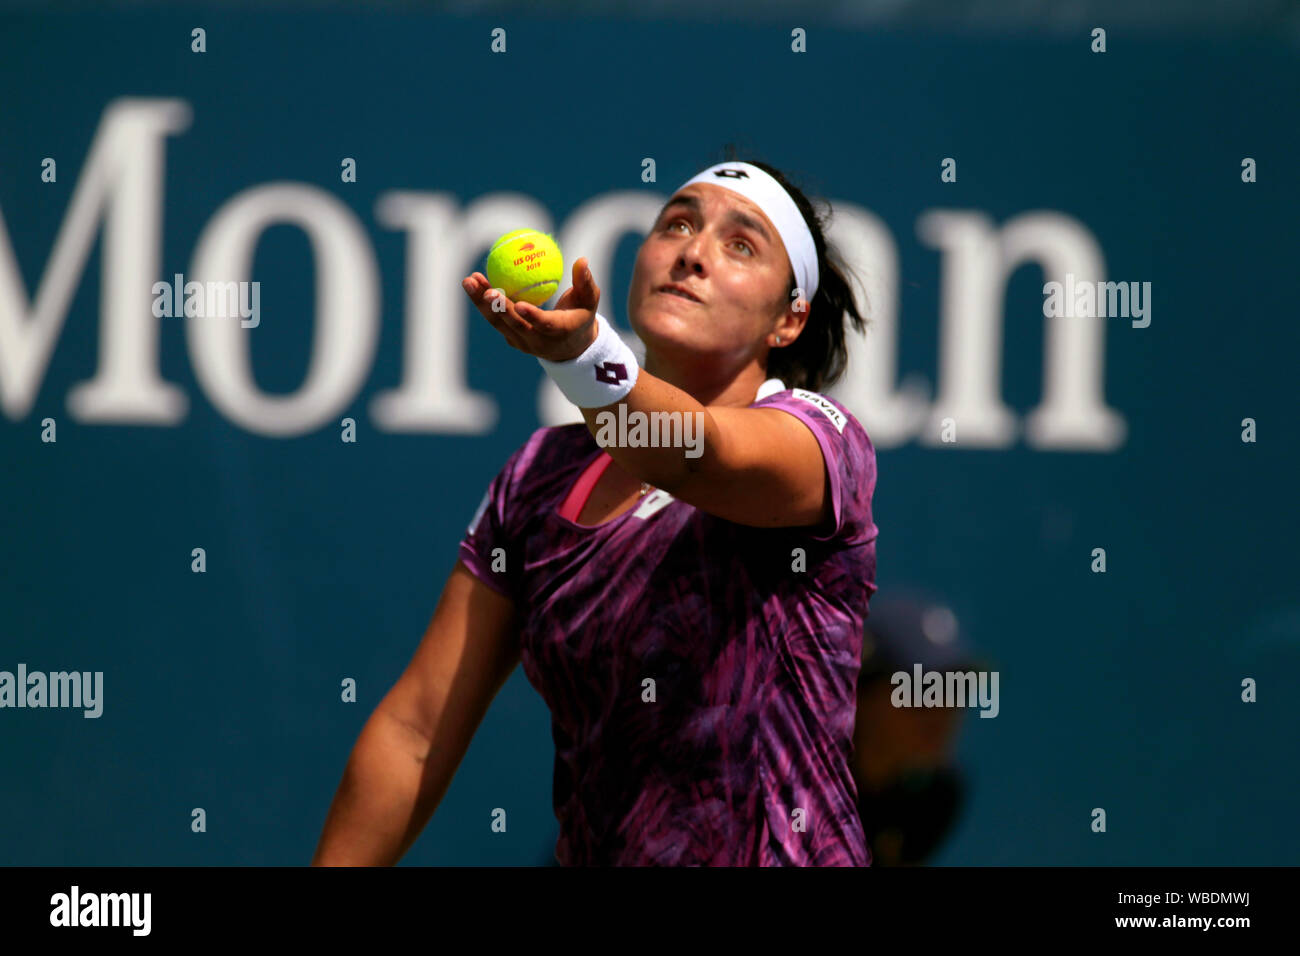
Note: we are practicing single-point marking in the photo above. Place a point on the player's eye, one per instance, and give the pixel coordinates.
(679, 221)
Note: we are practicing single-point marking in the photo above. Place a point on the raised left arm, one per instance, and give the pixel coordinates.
(759, 466)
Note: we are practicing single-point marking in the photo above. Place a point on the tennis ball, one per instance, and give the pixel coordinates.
(525, 264)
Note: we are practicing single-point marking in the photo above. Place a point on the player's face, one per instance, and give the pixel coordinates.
(721, 247)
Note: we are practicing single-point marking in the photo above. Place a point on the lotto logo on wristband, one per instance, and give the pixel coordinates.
(611, 373)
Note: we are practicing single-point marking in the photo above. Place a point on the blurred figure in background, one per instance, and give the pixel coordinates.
(909, 790)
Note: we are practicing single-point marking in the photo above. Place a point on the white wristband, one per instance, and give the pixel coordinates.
(600, 376)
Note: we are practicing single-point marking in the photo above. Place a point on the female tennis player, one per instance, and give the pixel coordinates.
(694, 624)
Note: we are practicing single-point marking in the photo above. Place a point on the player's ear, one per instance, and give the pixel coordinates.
(800, 306)
(792, 323)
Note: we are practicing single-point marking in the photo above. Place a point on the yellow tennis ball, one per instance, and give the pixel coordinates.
(525, 264)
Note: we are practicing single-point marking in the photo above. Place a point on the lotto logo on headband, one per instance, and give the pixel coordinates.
(732, 173)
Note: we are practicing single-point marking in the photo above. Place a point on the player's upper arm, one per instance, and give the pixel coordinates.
(766, 469)
(469, 649)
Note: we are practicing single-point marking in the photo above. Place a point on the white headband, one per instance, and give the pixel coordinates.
(770, 196)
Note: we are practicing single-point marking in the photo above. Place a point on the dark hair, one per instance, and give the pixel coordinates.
(817, 358)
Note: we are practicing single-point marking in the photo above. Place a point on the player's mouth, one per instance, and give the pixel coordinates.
(672, 288)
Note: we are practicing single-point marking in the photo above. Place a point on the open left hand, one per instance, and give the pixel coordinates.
(558, 334)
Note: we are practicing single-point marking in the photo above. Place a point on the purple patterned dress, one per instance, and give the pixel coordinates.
(700, 674)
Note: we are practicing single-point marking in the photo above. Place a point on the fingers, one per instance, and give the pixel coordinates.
(526, 327)
(503, 317)
(583, 293)
(493, 303)
(585, 278)
(593, 290)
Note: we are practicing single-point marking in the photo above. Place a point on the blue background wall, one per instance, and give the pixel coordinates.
(325, 559)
